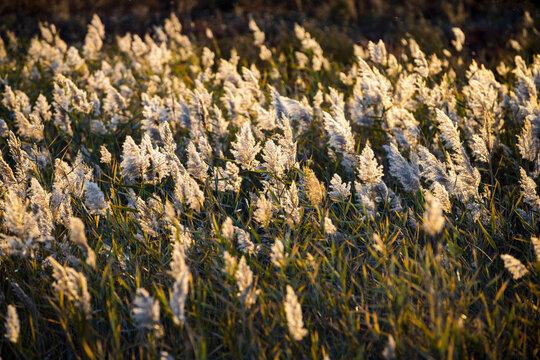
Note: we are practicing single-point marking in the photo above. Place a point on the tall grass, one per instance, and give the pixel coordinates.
(162, 200)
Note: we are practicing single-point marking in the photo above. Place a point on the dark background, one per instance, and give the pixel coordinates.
(488, 25)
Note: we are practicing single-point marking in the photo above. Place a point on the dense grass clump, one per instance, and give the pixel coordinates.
(162, 200)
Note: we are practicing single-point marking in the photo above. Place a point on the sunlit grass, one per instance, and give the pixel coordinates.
(379, 286)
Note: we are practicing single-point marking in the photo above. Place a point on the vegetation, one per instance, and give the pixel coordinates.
(162, 199)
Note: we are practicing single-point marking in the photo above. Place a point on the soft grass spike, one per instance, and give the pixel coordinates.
(293, 311)
(145, 310)
(514, 266)
(12, 324)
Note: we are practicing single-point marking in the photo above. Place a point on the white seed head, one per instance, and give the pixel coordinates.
(293, 311)
(12, 324)
(514, 266)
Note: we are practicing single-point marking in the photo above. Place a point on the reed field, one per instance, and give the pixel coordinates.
(164, 198)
